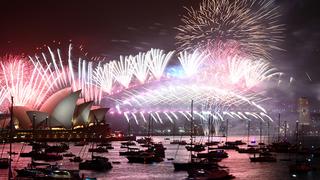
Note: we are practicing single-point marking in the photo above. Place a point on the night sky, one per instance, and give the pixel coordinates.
(120, 27)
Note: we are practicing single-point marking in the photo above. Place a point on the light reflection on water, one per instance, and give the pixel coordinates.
(238, 164)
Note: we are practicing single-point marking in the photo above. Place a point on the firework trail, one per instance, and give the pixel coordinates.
(191, 62)
(141, 68)
(103, 76)
(250, 25)
(123, 70)
(157, 61)
(27, 84)
(252, 72)
(71, 72)
(259, 71)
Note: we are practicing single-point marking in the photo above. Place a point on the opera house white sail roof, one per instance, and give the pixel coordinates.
(60, 110)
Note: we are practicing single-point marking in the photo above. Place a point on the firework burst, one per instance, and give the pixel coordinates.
(123, 70)
(103, 76)
(71, 72)
(27, 84)
(157, 61)
(191, 62)
(140, 66)
(249, 25)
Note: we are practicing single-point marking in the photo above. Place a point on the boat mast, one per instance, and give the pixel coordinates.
(268, 132)
(173, 130)
(285, 130)
(191, 130)
(279, 121)
(260, 132)
(149, 125)
(227, 130)
(209, 128)
(297, 132)
(11, 131)
(248, 137)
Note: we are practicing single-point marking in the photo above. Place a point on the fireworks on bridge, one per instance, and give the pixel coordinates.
(223, 51)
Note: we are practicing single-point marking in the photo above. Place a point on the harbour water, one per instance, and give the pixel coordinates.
(238, 165)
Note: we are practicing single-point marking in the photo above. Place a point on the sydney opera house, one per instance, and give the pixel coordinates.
(64, 115)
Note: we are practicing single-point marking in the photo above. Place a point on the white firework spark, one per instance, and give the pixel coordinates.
(103, 76)
(251, 25)
(140, 66)
(29, 86)
(123, 70)
(191, 62)
(157, 61)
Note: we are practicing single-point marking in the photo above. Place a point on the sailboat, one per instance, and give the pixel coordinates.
(6, 162)
(213, 155)
(210, 142)
(96, 163)
(194, 162)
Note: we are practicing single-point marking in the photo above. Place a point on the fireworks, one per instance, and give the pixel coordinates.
(218, 89)
(191, 62)
(249, 25)
(103, 76)
(251, 72)
(27, 84)
(78, 75)
(223, 48)
(140, 67)
(123, 70)
(175, 95)
(157, 61)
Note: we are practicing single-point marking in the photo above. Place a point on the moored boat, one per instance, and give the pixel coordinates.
(97, 163)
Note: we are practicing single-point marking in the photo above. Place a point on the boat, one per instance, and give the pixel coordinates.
(81, 143)
(47, 172)
(98, 150)
(280, 147)
(228, 146)
(147, 145)
(144, 157)
(57, 149)
(4, 163)
(213, 174)
(130, 151)
(239, 142)
(196, 147)
(263, 158)
(47, 157)
(107, 145)
(76, 159)
(212, 143)
(220, 154)
(70, 154)
(158, 149)
(40, 155)
(38, 145)
(28, 154)
(97, 163)
(180, 142)
(195, 163)
(144, 140)
(248, 150)
(128, 143)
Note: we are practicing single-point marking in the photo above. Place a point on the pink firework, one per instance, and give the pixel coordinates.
(24, 81)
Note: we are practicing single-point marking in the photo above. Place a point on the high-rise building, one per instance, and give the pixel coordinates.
(303, 110)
